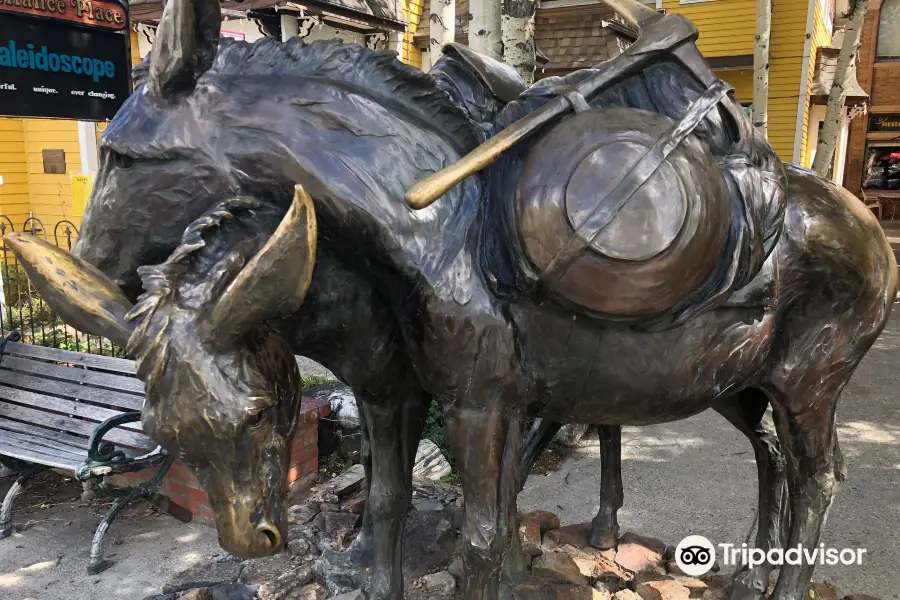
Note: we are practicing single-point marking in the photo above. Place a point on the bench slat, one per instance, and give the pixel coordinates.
(75, 441)
(45, 446)
(120, 365)
(69, 408)
(92, 378)
(124, 402)
(15, 449)
(117, 435)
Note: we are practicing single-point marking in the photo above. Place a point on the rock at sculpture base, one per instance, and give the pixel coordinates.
(530, 534)
(570, 434)
(564, 565)
(441, 584)
(558, 566)
(637, 553)
(557, 592)
(430, 462)
(662, 589)
(346, 483)
(547, 521)
(821, 591)
(576, 535)
(354, 595)
(347, 434)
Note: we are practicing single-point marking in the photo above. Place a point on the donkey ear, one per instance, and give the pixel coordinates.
(83, 296)
(274, 282)
(186, 42)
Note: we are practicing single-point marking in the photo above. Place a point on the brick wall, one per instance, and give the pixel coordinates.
(182, 486)
(881, 81)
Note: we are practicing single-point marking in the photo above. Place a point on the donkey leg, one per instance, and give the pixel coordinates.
(605, 526)
(747, 413)
(394, 432)
(808, 436)
(537, 441)
(487, 442)
(362, 551)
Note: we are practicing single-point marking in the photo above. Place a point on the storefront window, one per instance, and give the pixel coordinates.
(882, 168)
(889, 31)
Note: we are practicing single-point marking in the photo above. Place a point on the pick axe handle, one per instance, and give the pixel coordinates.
(429, 189)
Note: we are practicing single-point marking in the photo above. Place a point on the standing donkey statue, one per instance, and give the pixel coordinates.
(788, 287)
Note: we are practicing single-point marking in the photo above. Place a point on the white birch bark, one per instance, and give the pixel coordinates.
(441, 26)
(517, 34)
(484, 28)
(761, 65)
(834, 111)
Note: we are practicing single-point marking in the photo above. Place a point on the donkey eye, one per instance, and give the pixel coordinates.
(122, 161)
(257, 418)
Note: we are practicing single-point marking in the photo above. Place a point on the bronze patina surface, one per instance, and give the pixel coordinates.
(409, 304)
(223, 390)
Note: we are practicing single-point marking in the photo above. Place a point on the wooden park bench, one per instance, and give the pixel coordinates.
(79, 413)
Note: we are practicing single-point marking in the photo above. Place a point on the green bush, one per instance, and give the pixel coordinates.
(434, 431)
(57, 339)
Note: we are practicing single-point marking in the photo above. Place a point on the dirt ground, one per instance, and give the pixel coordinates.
(47, 560)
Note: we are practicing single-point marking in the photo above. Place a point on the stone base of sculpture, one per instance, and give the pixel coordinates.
(319, 561)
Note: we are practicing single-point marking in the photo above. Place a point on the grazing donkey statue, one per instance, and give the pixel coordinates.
(206, 361)
(792, 282)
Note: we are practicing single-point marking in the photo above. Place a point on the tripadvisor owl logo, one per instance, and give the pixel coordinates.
(695, 555)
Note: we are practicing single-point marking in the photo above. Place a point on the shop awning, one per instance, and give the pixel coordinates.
(826, 65)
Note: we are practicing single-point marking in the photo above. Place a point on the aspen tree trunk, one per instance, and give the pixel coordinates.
(517, 33)
(834, 112)
(484, 28)
(761, 65)
(442, 26)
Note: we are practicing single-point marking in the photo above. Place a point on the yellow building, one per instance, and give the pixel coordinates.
(32, 196)
(800, 28)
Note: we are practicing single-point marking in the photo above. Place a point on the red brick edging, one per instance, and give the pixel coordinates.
(182, 486)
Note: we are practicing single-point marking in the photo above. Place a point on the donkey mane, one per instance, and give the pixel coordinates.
(151, 340)
(377, 73)
(160, 280)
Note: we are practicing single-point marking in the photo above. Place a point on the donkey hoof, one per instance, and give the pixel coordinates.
(98, 566)
(603, 540)
(361, 552)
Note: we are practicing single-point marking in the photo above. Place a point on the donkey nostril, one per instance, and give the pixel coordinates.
(271, 534)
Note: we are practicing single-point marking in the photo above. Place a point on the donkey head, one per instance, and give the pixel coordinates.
(223, 392)
(156, 149)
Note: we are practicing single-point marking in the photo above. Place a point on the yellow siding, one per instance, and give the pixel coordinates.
(135, 50)
(408, 52)
(14, 191)
(742, 82)
(51, 195)
(820, 37)
(727, 27)
(789, 18)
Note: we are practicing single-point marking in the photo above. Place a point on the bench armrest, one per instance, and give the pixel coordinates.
(104, 460)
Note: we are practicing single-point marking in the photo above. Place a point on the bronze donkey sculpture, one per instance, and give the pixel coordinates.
(345, 323)
(489, 359)
(195, 337)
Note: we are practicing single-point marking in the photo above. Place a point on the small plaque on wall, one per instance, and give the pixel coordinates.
(54, 161)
